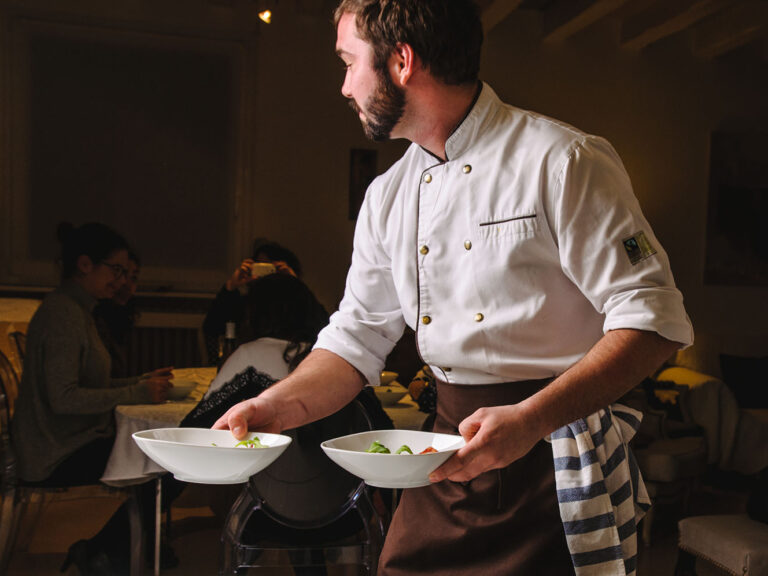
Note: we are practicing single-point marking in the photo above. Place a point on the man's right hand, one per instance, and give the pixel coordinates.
(241, 275)
(252, 414)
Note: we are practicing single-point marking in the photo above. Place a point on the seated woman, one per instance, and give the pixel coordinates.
(230, 305)
(64, 422)
(115, 318)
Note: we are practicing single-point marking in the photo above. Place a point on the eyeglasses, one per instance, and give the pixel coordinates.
(117, 270)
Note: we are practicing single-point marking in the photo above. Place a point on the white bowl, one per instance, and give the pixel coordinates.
(387, 377)
(391, 394)
(392, 470)
(181, 389)
(207, 456)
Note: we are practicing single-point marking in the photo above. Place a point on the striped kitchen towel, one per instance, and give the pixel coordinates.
(600, 490)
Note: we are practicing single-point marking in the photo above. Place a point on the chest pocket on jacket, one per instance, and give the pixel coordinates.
(512, 227)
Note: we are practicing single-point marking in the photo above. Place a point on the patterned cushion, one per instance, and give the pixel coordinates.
(734, 542)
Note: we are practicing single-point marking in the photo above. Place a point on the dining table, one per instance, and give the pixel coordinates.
(128, 465)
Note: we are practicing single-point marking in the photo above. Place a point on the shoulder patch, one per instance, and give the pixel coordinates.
(638, 248)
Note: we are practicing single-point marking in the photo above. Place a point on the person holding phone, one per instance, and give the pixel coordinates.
(230, 304)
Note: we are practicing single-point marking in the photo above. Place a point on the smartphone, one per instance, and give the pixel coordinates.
(259, 269)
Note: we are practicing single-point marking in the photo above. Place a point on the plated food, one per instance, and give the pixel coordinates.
(392, 470)
(377, 447)
(207, 456)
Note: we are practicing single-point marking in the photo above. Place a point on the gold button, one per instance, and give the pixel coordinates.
(467, 169)
(426, 319)
(427, 178)
(424, 249)
(479, 317)
(467, 245)
(447, 369)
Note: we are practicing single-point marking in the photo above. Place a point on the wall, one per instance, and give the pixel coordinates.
(658, 109)
(303, 139)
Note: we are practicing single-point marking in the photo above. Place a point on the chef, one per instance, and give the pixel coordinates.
(513, 245)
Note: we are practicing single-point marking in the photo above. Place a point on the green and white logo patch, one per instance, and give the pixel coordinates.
(638, 248)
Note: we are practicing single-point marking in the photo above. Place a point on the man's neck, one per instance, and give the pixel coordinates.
(435, 111)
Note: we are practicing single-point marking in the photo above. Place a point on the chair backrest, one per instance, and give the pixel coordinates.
(19, 341)
(304, 488)
(7, 457)
(10, 382)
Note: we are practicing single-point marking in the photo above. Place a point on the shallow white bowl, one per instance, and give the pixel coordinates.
(181, 389)
(387, 377)
(392, 470)
(207, 456)
(391, 394)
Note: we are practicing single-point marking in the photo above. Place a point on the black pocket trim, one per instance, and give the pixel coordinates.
(528, 217)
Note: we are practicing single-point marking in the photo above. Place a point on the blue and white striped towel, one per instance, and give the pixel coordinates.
(601, 494)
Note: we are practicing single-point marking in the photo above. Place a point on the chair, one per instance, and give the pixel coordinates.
(732, 542)
(19, 341)
(18, 496)
(671, 454)
(10, 381)
(311, 511)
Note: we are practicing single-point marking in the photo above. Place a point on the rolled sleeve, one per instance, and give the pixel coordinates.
(369, 321)
(598, 216)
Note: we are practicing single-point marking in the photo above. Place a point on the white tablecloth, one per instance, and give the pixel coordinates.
(127, 463)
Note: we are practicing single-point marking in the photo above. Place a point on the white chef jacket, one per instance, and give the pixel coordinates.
(509, 260)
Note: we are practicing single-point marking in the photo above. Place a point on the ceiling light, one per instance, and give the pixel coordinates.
(266, 16)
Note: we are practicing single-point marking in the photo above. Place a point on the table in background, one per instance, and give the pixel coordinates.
(127, 463)
(15, 314)
(405, 414)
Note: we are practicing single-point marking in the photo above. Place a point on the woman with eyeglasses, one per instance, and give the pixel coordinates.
(116, 318)
(63, 427)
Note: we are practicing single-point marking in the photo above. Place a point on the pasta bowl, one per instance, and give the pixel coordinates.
(206, 456)
(181, 389)
(392, 470)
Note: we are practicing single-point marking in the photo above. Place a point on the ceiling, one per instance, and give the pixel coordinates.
(715, 27)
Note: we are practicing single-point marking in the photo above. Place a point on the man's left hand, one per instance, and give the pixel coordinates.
(495, 437)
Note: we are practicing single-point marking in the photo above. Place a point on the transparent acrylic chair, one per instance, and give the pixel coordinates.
(304, 511)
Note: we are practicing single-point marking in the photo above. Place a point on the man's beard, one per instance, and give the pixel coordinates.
(385, 107)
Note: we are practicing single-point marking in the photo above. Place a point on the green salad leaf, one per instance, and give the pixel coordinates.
(251, 443)
(378, 448)
(404, 448)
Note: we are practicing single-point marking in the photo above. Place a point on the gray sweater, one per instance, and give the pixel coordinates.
(66, 398)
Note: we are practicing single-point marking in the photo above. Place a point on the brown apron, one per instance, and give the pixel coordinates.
(504, 521)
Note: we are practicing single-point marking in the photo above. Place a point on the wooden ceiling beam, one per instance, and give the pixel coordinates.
(496, 11)
(665, 18)
(731, 29)
(568, 18)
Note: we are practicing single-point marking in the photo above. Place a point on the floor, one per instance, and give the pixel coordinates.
(196, 529)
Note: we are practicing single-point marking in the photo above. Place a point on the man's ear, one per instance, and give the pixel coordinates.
(84, 264)
(403, 63)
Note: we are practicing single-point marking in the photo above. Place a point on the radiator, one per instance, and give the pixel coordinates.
(152, 347)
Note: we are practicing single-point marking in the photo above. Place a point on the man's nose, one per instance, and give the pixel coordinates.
(345, 89)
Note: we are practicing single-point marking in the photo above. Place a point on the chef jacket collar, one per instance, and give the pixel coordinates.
(463, 136)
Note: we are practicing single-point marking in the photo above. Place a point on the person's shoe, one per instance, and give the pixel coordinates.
(77, 555)
(88, 562)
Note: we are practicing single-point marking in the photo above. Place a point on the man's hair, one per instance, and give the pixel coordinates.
(446, 35)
